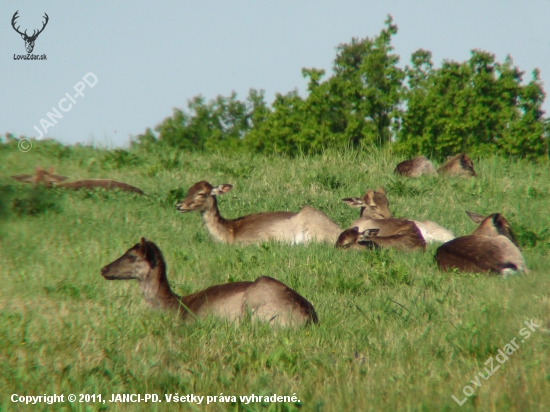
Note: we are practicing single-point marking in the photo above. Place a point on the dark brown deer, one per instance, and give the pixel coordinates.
(375, 206)
(416, 167)
(29, 40)
(307, 225)
(404, 237)
(458, 165)
(48, 179)
(266, 298)
(492, 247)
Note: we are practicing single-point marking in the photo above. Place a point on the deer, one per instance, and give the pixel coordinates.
(458, 165)
(46, 177)
(491, 248)
(29, 40)
(416, 167)
(267, 299)
(49, 180)
(289, 227)
(405, 236)
(375, 212)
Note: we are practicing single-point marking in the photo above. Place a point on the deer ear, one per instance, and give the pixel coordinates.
(368, 197)
(354, 201)
(221, 189)
(476, 217)
(381, 190)
(147, 252)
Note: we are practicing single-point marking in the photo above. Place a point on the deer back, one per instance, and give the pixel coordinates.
(225, 301)
(416, 167)
(101, 183)
(480, 254)
(272, 301)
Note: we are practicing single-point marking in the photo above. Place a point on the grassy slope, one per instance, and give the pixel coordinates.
(395, 332)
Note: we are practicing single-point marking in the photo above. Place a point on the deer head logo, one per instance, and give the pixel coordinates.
(29, 40)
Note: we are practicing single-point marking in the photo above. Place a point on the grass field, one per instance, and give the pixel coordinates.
(395, 333)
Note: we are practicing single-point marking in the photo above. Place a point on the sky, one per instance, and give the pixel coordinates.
(142, 59)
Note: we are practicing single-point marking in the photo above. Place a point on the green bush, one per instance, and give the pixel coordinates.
(477, 106)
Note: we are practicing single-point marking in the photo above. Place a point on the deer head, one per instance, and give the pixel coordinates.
(29, 40)
(136, 263)
(492, 225)
(200, 196)
(373, 204)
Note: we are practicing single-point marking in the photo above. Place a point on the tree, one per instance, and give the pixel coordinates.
(479, 106)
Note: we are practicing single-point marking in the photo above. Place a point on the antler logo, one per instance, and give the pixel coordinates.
(29, 40)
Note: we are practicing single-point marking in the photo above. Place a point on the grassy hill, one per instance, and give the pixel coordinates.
(395, 333)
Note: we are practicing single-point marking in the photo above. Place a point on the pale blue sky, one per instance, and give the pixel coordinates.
(151, 57)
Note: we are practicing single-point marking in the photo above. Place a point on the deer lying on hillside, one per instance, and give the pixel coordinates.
(375, 208)
(416, 167)
(48, 179)
(492, 247)
(458, 165)
(268, 299)
(404, 236)
(302, 227)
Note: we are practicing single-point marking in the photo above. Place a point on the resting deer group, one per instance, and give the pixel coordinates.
(49, 179)
(375, 213)
(266, 298)
(458, 165)
(302, 227)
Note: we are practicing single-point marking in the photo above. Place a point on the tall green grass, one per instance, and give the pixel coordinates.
(395, 333)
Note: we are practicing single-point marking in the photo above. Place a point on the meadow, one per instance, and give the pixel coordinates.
(395, 332)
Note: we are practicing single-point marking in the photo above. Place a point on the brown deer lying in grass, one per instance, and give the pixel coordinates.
(375, 208)
(458, 165)
(268, 299)
(490, 248)
(48, 179)
(404, 236)
(302, 227)
(415, 167)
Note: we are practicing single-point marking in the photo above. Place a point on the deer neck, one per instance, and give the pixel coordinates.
(156, 289)
(217, 226)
